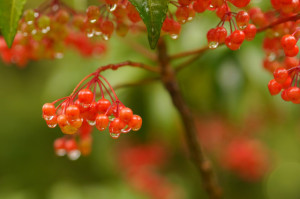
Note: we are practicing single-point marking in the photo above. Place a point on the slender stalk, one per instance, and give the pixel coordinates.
(171, 84)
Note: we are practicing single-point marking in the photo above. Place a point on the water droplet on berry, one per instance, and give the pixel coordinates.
(213, 45)
(93, 20)
(242, 27)
(272, 56)
(113, 7)
(60, 152)
(174, 36)
(36, 14)
(90, 34)
(98, 33)
(126, 130)
(33, 32)
(52, 125)
(105, 37)
(59, 55)
(45, 30)
(29, 22)
(48, 117)
(92, 123)
(115, 135)
(74, 154)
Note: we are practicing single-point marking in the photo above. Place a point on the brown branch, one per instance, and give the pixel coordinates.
(128, 63)
(203, 165)
(205, 48)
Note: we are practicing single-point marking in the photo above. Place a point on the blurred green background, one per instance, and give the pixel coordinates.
(230, 86)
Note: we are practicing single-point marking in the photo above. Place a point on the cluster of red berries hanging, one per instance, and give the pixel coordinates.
(44, 33)
(77, 113)
(287, 82)
(187, 9)
(276, 54)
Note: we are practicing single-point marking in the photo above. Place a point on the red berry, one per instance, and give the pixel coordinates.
(185, 2)
(293, 93)
(292, 52)
(125, 114)
(240, 3)
(116, 126)
(201, 5)
(250, 32)
(242, 19)
(72, 112)
(281, 75)
(237, 37)
(62, 120)
(284, 95)
(48, 109)
(93, 13)
(221, 34)
(182, 14)
(71, 145)
(135, 123)
(103, 104)
(101, 122)
(288, 42)
(274, 87)
(85, 96)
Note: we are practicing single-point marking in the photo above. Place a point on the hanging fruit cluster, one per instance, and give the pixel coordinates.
(45, 32)
(78, 113)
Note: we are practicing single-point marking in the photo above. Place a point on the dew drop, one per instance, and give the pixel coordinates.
(213, 45)
(36, 14)
(52, 125)
(60, 152)
(59, 55)
(74, 154)
(115, 135)
(93, 20)
(29, 22)
(48, 117)
(174, 36)
(45, 30)
(126, 130)
(98, 33)
(90, 34)
(92, 123)
(105, 37)
(113, 7)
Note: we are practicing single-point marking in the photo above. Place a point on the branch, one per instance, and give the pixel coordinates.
(205, 48)
(171, 84)
(128, 63)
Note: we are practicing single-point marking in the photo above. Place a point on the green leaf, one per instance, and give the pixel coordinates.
(153, 13)
(10, 13)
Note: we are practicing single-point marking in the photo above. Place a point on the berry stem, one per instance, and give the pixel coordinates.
(83, 80)
(111, 88)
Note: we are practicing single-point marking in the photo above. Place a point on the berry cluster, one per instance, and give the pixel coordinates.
(187, 9)
(280, 40)
(240, 30)
(248, 158)
(286, 6)
(80, 111)
(287, 82)
(45, 32)
(289, 44)
(235, 147)
(140, 164)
